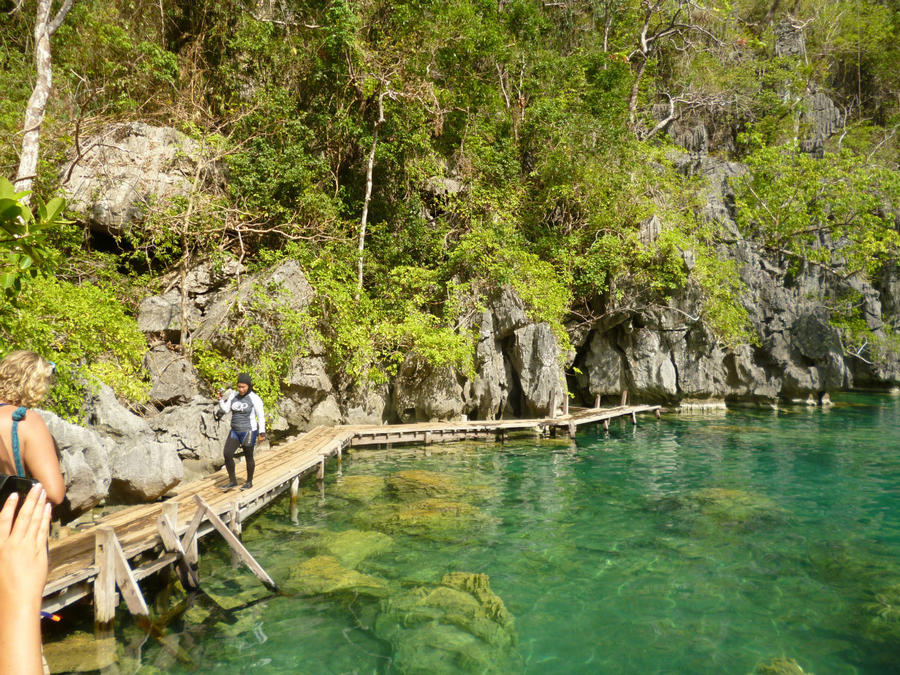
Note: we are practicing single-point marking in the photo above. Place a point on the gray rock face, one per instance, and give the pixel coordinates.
(673, 357)
(173, 377)
(141, 468)
(84, 460)
(194, 431)
(789, 40)
(423, 392)
(535, 357)
(142, 471)
(124, 169)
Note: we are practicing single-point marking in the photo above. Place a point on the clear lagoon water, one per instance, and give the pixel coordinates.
(692, 544)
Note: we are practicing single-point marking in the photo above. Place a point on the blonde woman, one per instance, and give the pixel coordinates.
(26, 446)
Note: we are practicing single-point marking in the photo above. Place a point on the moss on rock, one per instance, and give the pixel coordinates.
(434, 518)
(415, 485)
(457, 626)
(359, 488)
(324, 574)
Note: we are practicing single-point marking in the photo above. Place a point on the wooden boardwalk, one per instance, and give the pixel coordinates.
(129, 545)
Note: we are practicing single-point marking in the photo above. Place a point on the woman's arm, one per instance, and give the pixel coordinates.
(23, 573)
(39, 456)
(225, 401)
(260, 415)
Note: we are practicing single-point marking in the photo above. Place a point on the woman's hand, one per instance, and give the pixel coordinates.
(23, 573)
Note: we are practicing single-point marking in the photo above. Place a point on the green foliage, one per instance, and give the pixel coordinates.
(836, 212)
(23, 237)
(86, 331)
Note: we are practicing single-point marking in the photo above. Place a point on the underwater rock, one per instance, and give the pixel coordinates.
(725, 507)
(358, 488)
(881, 617)
(350, 547)
(80, 652)
(781, 666)
(416, 484)
(457, 626)
(324, 574)
(435, 518)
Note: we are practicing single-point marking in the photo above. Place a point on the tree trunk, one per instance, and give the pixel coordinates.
(37, 103)
(370, 165)
(635, 89)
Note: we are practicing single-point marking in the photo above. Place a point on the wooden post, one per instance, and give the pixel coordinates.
(572, 429)
(428, 437)
(320, 474)
(606, 424)
(295, 489)
(236, 544)
(105, 599)
(340, 460)
(597, 401)
(565, 403)
(657, 413)
(189, 541)
(633, 417)
(234, 524)
(624, 397)
(553, 404)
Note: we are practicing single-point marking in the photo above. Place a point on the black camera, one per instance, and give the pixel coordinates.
(11, 484)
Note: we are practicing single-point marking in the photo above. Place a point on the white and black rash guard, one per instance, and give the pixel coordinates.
(246, 411)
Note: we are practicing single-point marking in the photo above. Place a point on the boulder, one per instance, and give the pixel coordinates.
(172, 375)
(127, 167)
(84, 460)
(194, 430)
(143, 471)
(105, 415)
(424, 392)
(535, 359)
(325, 575)
(456, 626)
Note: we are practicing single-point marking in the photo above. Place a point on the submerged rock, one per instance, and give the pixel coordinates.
(457, 626)
(359, 488)
(350, 547)
(881, 617)
(781, 666)
(417, 484)
(435, 518)
(80, 652)
(324, 574)
(725, 507)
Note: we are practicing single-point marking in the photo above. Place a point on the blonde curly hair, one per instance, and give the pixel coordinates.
(24, 378)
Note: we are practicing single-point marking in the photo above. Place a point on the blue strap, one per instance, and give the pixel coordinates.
(17, 416)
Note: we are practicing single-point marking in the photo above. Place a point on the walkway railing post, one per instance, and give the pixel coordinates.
(105, 598)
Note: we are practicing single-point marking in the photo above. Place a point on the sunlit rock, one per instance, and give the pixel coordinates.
(350, 547)
(358, 488)
(781, 666)
(416, 484)
(457, 626)
(435, 518)
(324, 574)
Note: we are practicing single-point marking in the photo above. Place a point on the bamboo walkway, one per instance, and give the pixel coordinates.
(129, 545)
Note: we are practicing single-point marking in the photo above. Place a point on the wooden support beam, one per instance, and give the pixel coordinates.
(597, 401)
(320, 474)
(172, 544)
(624, 397)
(340, 460)
(657, 413)
(565, 403)
(236, 544)
(606, 424)
(295, 509)
(571, 428)
(633, 417)
(105, 598)
(234, 524)
(189, 540)
(128, 585)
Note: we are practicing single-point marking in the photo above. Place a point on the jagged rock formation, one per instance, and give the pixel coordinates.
(125, 168)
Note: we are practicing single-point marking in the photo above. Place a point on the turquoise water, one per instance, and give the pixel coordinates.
(692, 544)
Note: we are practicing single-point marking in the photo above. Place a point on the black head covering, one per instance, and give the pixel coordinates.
(244, 378)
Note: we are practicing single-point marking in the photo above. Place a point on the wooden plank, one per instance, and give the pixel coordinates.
(105, 599)
(236, 544)
(128, 585)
